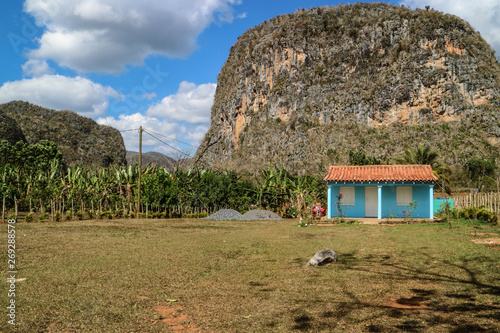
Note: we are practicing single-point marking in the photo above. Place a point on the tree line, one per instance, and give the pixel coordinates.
(35, 178)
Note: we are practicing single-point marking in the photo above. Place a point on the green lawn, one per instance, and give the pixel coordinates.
(233, 276)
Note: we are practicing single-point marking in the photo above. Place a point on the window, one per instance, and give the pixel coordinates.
(347, 195)
(404, 196)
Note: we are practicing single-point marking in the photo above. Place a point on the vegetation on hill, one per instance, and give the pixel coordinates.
(304, 89)
(10, 130)
(81, 140)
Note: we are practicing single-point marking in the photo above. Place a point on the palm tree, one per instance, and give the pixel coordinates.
(424, 155)
(421, 155)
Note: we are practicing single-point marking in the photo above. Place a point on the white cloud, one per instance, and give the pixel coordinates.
(483, 15)
(61, 93)
(36, 68)
(105, 35)
(164, 130)
(148, 96)
(197, 134)
(190, 104)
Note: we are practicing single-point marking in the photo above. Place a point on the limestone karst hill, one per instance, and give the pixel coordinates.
(81, 140)
(303, 89)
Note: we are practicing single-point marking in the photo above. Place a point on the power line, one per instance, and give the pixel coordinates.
(130, 130)
(180, 151)
(175, 139)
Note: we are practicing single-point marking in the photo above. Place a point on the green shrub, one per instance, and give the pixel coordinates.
(118, 213)
(291, 212)
(29, 217)
(68, 215)
(202, 215)
(42, 217)
(101, 214)
(11, 216)
(57, 216)
(142, 215)
(481, 213)
(90, 214)
(163, 215)
(109, 214)
(484, 214)
(175, 215)
(79, 215)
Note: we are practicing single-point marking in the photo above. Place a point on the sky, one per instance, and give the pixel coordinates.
(149, 63)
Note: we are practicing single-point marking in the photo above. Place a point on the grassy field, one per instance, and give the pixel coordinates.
(233, 276)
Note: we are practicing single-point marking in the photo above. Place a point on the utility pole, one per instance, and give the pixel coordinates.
(140, 173)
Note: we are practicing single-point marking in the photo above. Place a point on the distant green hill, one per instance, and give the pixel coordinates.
(81, 140)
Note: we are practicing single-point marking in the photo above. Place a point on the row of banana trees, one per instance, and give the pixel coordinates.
(78, 188)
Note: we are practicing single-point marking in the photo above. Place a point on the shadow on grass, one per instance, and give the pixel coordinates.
(453, 311)
(303, 322)
(419, 274)
(446, 304)
(330, 319)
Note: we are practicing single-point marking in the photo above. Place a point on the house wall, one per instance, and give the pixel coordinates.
(420, 194)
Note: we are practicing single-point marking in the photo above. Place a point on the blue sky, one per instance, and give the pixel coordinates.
(150, 63)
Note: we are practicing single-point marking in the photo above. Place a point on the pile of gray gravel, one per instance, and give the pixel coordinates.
(225, 214)
(251, 215)
(259, 215)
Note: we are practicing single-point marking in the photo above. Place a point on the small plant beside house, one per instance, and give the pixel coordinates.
(408, 213)
(341, 210)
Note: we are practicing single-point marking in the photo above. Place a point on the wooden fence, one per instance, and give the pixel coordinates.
(490, 201)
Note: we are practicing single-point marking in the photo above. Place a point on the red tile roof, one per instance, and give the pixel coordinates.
(379, 173)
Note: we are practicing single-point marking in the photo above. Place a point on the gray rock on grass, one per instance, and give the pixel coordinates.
(225, 214)
(323, 257)
(261, 215)
(252, 215)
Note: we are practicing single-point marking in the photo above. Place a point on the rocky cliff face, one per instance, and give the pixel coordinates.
(375, 74)
(81, 140)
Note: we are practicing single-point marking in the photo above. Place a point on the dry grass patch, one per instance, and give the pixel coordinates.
(487, 241)
(239, 276)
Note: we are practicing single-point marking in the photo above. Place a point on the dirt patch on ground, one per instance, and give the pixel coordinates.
(482, 234)
(172, 316)
(413, 303)
(487, 241)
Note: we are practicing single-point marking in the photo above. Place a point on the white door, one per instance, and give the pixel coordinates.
(371, 202)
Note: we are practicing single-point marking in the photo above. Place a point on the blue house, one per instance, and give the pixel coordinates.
(381, 191)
